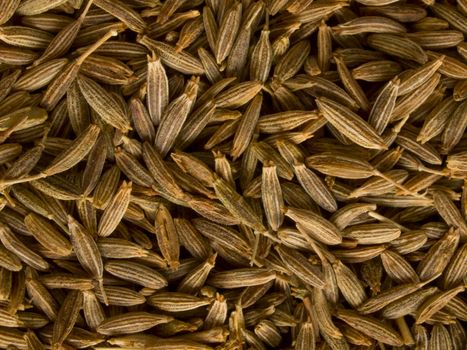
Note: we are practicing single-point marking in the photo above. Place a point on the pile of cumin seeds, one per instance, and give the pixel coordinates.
(233, 174)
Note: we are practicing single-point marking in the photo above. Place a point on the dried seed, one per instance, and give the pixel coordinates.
(115, 210)
(19, 249)
(66, 317)
(136, 273)
(240, 278)
(131, 322)
(370, 326)
(350, 124)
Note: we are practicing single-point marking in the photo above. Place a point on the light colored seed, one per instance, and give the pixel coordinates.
(451, 66)
(67, 316)
(376, 71)
(167, 237)
(455, 129)
(437, 258)
(107, 70)
(240, 278)
(236, 204)
(124, 13)
(409, 242)
(176, 301)
(8, 260)
(25, 37)
(246, 127)
(191, 239)
(180, 61)
(398, 268)
(345, 215)
(372, 24)
(271, 194)
(106, 187)
(8, 9)
(317, 12)
(306, 338)
(315, 188)
(79, 149)
(47, 234)
(449, 212)
(315, 226)
(18, 248)
(323, 314)
(158, 88)
(132, 168)
(372, 233)
(261, 57)
(41, 75)
(33, 7)
(238, 95)
(228, 30)
(131, 322)
(136, 273)
(435, 303)
(227, 238)
(194, 167)
(350, 124)
(436, 120)
(410, 102)
(223, 167)
(381, 112)
(460, 91)
(370, 326)
(212, 210)
(407, 304)
(115, 210)
(398, 46)
(86, 251)
(16, 56)
(92, 310)
(196, 279)
(291, 62)
(390, 295)
(299, 266)
(120, 296)
(351, 85)
(40, 296)
(119, 248)
(174, 117)
(456, 268)
(451, 15)
(359, 254)
(349, 284)
(103, 103)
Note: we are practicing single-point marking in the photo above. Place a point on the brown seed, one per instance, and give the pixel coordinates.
(298, 265)
(131, 322)
(67, 316)
(115, 210)
(371, 327)
(350, 124)
(18, 248)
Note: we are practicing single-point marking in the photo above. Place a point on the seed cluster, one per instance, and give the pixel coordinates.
(233, 174)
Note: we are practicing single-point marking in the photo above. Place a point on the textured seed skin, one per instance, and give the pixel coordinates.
(226, 174)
